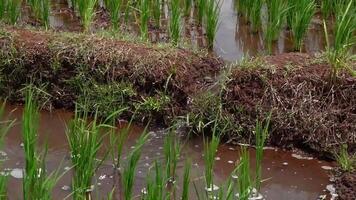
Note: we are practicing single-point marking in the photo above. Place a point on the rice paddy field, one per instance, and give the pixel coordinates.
(178, 99)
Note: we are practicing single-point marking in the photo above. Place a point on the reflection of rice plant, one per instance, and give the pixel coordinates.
(302, 13)
(347, 162)
(339, 54)
(261, 131)
(212, 19)
(86, 10)
(114, 8)
(4, 128)
(174, 22)
(144, 16)
(128, 175)
(276, 10)
(84, 142)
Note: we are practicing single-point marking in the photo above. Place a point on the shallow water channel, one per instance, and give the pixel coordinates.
(286, 174)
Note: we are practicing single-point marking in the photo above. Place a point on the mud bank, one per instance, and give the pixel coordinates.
(307, 110)
(105, 73)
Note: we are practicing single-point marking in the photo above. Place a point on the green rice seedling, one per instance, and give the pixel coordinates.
(242, 7)
(144, 16)
(276, 10)
(128, 8)
(84, 141)
(114, 8)
(347, 162)
(3, 6)
(86, 9)
(128, 175)
(210, 149)
(13, 10)
(29, 134)
(326, 8)
(155, 185)
(36, 183)
(187, 7)
(212, 20)
(174, 22)
(255, 15)
(244, 180)
(261, 134)
(156, 12)
(186, 180)
(339, 54)
(45, 12)
(3, 186)
(118, 139)
(302, 14)
(200, 7)
(171, 148)
(41, 9)
(111, 194)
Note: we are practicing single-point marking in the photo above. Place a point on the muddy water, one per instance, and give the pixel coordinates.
(234, 39)
(286, 177)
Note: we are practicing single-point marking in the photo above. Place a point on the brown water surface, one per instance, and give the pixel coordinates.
(286, 177)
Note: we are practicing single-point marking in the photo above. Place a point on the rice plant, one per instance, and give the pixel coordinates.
(41, 9)
(347, 162)
(187, 7)
(128, 8)
(261, 134)
(84, 141)
(36, 183)
(255, 14)
(155, 184)
(212, 20)
(128, 175)
(117, 141)
(171, 148)
(114, 8)
(144, 16)
(156, 12)
(200, 7)
(210, 149)
(174, 22)
(13, 10)
(86, 9)
(3, 7)
(186, 180)
(302, 14)
(326, 8)
(276, 10)
(339, 54)
(244, 180)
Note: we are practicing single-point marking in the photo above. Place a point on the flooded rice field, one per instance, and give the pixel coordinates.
(286, 175)
(234, 38)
